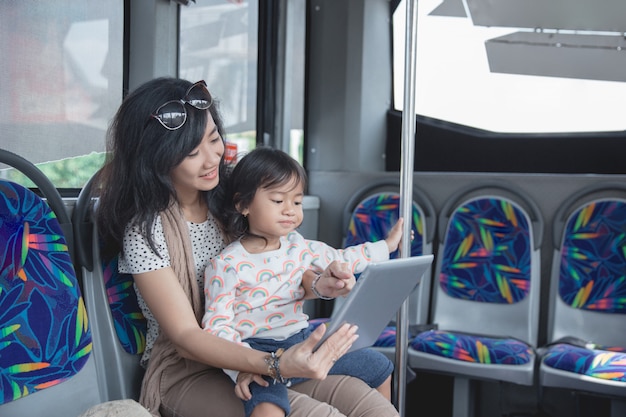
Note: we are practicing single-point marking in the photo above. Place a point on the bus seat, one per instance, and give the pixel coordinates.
(486, 297)
(368, 217)
(118, 326)
(46, 358)
(586, 351)
(47, 189)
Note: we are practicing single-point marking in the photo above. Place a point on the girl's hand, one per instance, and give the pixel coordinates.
(395, 236)
(244, 379)
(336, 281)
(301, 361)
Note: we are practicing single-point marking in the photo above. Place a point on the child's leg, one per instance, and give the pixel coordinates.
(370, 366)
(270, 401)
(267, 410)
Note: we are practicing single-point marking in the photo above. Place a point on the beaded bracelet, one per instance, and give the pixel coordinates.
(273, 366)
(316, 292)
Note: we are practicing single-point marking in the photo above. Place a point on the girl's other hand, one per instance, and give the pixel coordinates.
(395, 236)
(244, 379)
(336, 281)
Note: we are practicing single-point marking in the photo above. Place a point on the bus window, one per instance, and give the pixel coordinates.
(538, 69)
(61, 85)
(219, 42)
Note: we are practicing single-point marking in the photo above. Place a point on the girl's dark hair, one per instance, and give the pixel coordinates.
(134, 184)
(262, 167)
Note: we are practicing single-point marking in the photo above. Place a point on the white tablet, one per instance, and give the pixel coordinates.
(377, 296)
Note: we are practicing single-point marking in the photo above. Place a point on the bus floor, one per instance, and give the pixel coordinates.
(430, 395)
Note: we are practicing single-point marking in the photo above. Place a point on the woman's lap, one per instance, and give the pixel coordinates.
(208, 392)
(350, 396)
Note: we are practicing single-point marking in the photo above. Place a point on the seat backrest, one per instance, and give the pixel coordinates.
(488, 267)
(374, 216)
(47, 189)
(370, 215)
(119, 327)
(46, 360)
(588, 279)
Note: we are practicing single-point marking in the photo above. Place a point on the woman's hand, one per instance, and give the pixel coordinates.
(244, 379)
(336, 281)
(301, 361)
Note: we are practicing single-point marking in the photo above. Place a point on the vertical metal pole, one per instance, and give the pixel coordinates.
(406, 194)
(282, 121)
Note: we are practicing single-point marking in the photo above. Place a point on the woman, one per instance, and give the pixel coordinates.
(159, 193)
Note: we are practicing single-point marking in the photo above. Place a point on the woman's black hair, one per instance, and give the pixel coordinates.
(135, 185)
(262, 167)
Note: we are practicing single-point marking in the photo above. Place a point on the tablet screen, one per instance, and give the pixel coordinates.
(377, 295)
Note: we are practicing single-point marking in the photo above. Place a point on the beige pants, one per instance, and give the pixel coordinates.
(348, 397)
(198, 391)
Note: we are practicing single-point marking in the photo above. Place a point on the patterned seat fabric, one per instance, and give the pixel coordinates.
(44, 333)
(486, 259)
(605, 363)
(387, 337)
(472, 348)
(373, 218)
(371, 221)
(592, 277)
(593, 258)
(487, 253)
(130, 324)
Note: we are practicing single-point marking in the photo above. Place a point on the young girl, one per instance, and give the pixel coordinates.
(253, 289)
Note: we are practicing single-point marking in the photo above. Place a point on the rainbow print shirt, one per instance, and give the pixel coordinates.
(260, 295)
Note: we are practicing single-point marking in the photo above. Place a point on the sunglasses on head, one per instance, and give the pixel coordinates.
(173, 114)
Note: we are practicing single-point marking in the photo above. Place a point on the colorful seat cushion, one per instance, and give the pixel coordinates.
(130, 324)
(374, 217)
(593, 258)
(44, 333)
(387, 337)
(487, 252)
(473, 348)
(603, 363)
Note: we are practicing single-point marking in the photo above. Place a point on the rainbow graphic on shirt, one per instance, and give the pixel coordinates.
(241, 306)
(244, 265)
(218, 320)
(216, 281)
(259, 292)
(289, 265)
(273, 299)
(266, 275)
(274, 317)
(245, 324)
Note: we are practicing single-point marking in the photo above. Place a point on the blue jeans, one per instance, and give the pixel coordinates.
(369, 365)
